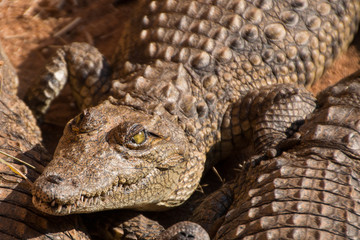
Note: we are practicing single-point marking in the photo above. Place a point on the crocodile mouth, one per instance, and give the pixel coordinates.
(99, 201)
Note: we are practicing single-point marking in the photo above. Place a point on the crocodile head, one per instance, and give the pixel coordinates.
(112, 157)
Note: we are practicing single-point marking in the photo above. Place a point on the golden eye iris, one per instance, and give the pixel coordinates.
(139, 138)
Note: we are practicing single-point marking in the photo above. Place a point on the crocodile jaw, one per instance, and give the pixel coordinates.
(116, 196)
(94, 169)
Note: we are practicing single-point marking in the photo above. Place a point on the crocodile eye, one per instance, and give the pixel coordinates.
(139, 138)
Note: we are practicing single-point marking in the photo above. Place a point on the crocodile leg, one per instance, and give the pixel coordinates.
(211, 211)
(311, 190)
(265, 117)
(83, 66)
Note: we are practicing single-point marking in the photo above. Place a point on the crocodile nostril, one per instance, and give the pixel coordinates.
(54, 179)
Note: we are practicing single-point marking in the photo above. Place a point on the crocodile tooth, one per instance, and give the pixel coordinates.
(59, 208)
(53, 203)
(82, 198)
(91, 201)
(68, 208)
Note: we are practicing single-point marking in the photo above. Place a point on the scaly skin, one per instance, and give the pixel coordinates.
(181, 75)
(310, 191)
(20, 137)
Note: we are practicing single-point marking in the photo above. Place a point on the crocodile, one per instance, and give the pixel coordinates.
(310, 190)
(178, 95)
(20, 137)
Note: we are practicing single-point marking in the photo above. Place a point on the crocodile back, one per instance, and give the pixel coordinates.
(236, 45)
(192, 59)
